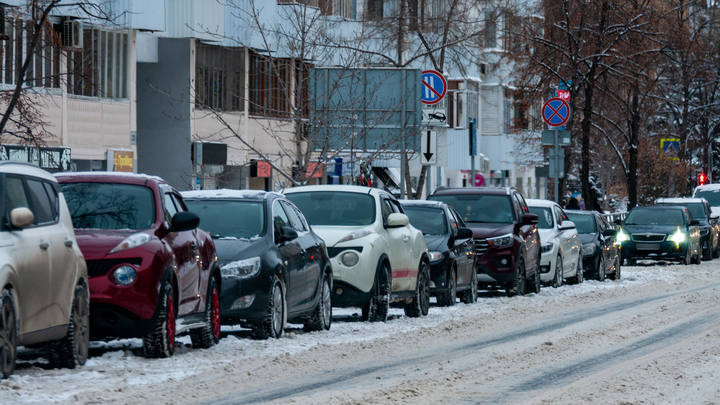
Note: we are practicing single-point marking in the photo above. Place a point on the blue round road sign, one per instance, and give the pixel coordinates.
(556, 112)
(434, 87)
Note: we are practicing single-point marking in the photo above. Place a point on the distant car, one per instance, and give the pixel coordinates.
(700, 210)
(153, 273)
(274, 267)
(377, 257)
(507, 241)
(44, 296)
(601, 257)
(561, 245)
(451, 250)
(711, 193)
(659, 233)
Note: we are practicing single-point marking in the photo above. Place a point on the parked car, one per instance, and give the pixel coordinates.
(507, 241)
(274, 267)
(601, 257)
(377, 257)
(451, 250)
(44, 297)
(562, 255)
(153, 273)
(660, 233)
(700, 210)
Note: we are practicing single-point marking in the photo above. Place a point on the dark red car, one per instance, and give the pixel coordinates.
(153, 274)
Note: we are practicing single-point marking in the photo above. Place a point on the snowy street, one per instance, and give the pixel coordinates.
(650, 338)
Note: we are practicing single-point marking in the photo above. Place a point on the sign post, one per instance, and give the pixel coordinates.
(556, 113)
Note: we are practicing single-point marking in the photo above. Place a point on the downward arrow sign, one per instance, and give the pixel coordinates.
(427, 154)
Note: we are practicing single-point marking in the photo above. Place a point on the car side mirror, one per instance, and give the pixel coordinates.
(397, 220)
(694, 222)
(610, 233)
(617, 221)
(567, 225)
(21, 217)
(464, 233)
(530, 219)
(287, 234)
(184, 221)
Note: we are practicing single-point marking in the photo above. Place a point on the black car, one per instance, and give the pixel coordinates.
(451, 250)
(601, 257)
(274, 267)
(700, 210)
(660, 233)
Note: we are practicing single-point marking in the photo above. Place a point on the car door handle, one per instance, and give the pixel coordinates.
(44, 245)
(68, 243)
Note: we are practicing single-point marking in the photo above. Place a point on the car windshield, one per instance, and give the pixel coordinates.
(713, 196)
(109, 205)
(225, 218)
(545, 219)
(480, 208)
(583, 223)
(673, 217)
(431, 221)
(335, 208)
(696, 209)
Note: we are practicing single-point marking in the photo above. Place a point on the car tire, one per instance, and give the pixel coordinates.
(708, 256)
(321, 318)
(517, 286)
(273, 323)
(8, 339)
(470, 296)
(616, 274)
(579, 272)
(631, 262)
(536, 284)
(209, 335)
(446, 298)
(601, 269)
(379, 306)
(716, 251)
(160, 342)
(698, 257)
(557, 280)
(72, 350)
(420, 304)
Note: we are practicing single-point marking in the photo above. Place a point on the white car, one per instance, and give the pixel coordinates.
(376, 255)
(561, 246)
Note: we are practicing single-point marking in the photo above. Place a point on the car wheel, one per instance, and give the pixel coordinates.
(698, 257)
(273, 324)
(321, 318)
(379, 306)
(579, 272)
(616, 274)
(716, 251)
(601, 269)
(72, 350)
(517, 286)
(446, 298)
(209, 335)
(161, 341)
(557, 280)
(8, 339)
(420, 304)
(707, 256)
(470, 296)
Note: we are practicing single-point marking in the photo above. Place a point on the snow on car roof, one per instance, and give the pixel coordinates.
(533, 202)
(111, 174)
(424, 203)
(332, 187)
(227, 193)
(678, 200)
(707, 187)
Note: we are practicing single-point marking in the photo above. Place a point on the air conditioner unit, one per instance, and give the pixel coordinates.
(72, 35)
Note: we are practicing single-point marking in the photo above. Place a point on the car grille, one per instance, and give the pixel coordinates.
(334, 251)
(648, 237)
(101, 267)
(481, 246)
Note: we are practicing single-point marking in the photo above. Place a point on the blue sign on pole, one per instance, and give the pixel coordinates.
(434, 87)
(556, 112)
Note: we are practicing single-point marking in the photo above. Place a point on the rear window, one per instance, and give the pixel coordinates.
(583, 223)
(696, 209)
(480, 208)
(335, 208)
(109, 205)
(431, 221)
(713, 196)
(230, 218)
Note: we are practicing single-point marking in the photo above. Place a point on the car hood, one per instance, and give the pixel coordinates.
(587, 237)
(97, 243)
(435, 242)
(546, 235)
(230, 249)
(332, 234)
(488, 230)
(666, 229)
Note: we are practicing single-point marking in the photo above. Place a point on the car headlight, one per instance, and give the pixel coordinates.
(241, 268)
(504, 240)
(589, 249)
(132, 241)
(621, 236)
(349, 258)
(678, 237)
(356, 235)
(124, 275)
(435, 256)
(546, 248)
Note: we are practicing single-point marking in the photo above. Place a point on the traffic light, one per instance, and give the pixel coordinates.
(702, 178)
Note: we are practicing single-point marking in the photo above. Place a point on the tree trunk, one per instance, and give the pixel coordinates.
(586, 126)
(421, 181)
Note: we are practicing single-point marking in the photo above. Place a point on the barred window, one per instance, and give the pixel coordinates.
(44, 67)
(220, 77)
(273, 83)
(100, 70)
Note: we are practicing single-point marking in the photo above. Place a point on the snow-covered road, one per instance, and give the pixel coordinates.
(651, 337)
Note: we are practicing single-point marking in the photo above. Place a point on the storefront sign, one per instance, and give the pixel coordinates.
(120, 160)
(48, 158)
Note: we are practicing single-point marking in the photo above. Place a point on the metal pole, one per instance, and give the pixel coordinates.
(710, 161)
(557, 165)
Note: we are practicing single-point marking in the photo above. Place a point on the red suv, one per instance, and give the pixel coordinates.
(507, 241)
(153, 273)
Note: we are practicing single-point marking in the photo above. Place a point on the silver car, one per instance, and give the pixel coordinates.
(44, 297)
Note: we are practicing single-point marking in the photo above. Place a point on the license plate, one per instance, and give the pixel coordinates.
(647, 246)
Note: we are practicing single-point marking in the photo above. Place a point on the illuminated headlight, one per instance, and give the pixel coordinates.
(132, 241)
(678, 237)
(589, 249)
(349, 258)
(505, 240)
(124, 275)
(621, 236)
(241, 268)
(547, 248)
(435, 256)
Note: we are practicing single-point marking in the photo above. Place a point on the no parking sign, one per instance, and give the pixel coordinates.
(434, 87)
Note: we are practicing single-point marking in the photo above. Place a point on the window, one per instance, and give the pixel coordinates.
(41, 205)
(280, 219)
(109, 205)
(273, 81)
(490, 37)
(386, 210)
(342, 8)
(224, 218)
(44, 67)
(14, 195)
(170, 209)
(294, 218)
(375, 9)
(220, 77)
(100, 70)
(52, 193)
(335, 208)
